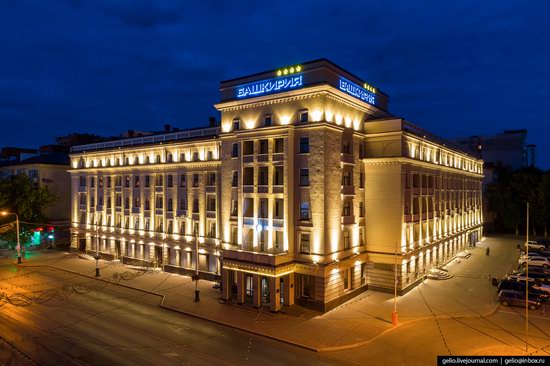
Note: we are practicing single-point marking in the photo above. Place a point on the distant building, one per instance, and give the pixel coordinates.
(508, 149)
(48, 171)
(15, 153)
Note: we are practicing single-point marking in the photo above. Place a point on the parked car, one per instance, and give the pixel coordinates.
(542, 270)
(520, 286)
(544, 242)
(534, 245)
(509, 297)
(534, 260)
(534, 276)
(542, 287)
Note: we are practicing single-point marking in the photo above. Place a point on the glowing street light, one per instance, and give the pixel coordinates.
(5, 213)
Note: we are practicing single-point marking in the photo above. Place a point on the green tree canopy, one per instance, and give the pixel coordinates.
(17, 195)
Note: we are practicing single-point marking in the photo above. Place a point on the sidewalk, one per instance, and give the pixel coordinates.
(357, 322)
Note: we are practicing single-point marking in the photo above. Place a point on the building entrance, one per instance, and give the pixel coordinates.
(265, 291)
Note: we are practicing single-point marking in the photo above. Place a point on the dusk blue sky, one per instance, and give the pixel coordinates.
(455, 68)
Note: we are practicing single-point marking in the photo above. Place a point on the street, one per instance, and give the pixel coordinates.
(89, 322)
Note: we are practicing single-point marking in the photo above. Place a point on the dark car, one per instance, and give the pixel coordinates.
(520, 287)
(516, 298)
(541, 270)
(533, 276)
(544, 242)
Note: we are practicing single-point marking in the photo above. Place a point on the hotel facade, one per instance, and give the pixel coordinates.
(308, 192)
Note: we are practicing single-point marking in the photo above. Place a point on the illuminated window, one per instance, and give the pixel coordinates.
(304, 145)
(234, 207)
(304, 211)
(127, 181)
(304, 116)
(236, 124)
(268, 120)
(346, 210)
(136, 181)
(137, 202)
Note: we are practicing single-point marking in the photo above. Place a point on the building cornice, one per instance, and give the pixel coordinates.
(424, 164)
(161, 166)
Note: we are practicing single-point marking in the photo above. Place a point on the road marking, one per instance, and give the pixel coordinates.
(530, 316)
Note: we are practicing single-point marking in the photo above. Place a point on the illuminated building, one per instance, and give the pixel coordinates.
(304, 193)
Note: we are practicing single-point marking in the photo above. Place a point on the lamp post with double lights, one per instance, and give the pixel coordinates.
(5, 213)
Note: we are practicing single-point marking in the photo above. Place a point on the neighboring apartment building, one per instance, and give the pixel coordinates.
(50, 171)
(309, 192)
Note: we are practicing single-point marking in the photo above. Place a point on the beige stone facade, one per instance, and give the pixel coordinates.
(307, 193)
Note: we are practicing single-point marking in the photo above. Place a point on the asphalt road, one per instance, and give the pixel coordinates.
(83, 321)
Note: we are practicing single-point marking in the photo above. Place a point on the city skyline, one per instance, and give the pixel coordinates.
(112, 67)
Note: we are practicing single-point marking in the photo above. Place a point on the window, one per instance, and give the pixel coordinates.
(82, 199)
(118, 181)
(235, 150)
(127, 181)
(137, 202)
(92, 201)
(158, 202)
(278, 239)
(136, 181)
(170, 205)
(212, 229)
(361, 209)
(211, 179)
(160, 226)
(236, 124)
(234, 236)
(196, 156)
(82, 181)
(170, 228)
(304, 243)
(92, 182)
(183, 180)
(304, 210)
(279, 204)
(346, 240)
(195, 205)
(278, 176)
(158, 180)
(147, 181)
(262, 176)
(248, 148)
(346, 178)
(147, 204)
(147, 225)
(361, 151)
(345, 273)
(234, 207)
(183, 204)
(346, 148)
(263, 208)
(169, 158)
(195, 180)
(100, 200)
(263, 147)
(304, 177)
(211, 204)
(210, 155)
(157, 159)
(100, 182)
(109, 180)
(182, 157)
(278, 145)
(109, 202)
(169, 180)
(136, 224)
(346, 210)
(361, 180)
(126, 202)
(304, 115)
(304, 145)
(268, 120)
(235, 179)
(182, 228)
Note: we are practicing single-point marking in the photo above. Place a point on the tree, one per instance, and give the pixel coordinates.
(17, 195)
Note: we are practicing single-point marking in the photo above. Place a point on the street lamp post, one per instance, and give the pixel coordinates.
(4, 213)
(197, 292)
(96, 246)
